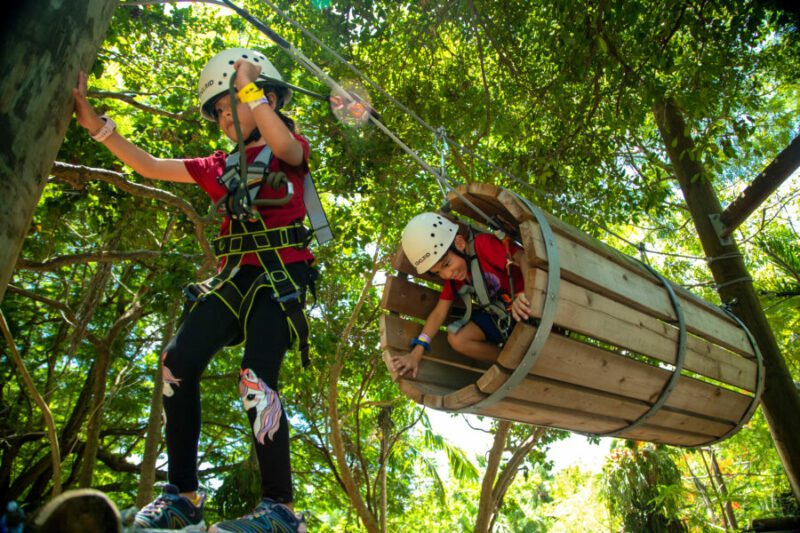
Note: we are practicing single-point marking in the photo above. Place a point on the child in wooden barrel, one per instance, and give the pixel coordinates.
(484, 266)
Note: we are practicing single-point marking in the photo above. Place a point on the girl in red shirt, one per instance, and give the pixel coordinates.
(259, 318)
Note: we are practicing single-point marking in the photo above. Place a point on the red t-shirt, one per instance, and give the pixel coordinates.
(492, 258)
(206, 170)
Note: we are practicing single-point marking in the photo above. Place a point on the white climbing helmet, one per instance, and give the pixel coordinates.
(426, 239)
(215, 78)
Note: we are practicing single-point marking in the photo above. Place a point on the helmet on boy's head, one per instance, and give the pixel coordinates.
(426, 239)
(215, 78)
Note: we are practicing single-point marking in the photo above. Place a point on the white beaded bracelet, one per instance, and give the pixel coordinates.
(255, 103)
(105, 132)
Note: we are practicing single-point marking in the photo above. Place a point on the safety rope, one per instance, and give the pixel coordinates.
(338, 90)
(248, 204)
(440, 133)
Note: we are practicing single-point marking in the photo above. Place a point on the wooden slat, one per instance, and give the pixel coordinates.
(396, 333)
(596, 316)
(468, 373)
(584, 267)
(484, 197)
(560, 417)
(407, 298)
(556, 393)
(570, 361)
(441, 372)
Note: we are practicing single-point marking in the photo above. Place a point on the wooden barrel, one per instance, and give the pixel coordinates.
(618, 349)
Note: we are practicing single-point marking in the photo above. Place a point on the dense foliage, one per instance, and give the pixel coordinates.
(559, 96)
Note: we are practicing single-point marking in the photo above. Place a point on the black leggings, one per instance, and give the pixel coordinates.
(207, 328)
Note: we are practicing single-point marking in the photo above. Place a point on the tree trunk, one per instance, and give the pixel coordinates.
(511, 467)
(780, 399)
(723, 490)
(102, 365)
(486, 507)
(147, 479)
(45, 44)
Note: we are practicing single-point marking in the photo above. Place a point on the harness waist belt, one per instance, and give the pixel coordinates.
(296, 236)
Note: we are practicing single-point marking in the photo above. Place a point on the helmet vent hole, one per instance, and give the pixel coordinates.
(433, 235)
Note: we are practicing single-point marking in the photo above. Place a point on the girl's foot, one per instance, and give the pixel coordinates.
(171, 511)
(267, 517)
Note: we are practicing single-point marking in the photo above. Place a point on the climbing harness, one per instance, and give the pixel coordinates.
(249, 234)
(240, 200)
(243, 183)
(499, 308)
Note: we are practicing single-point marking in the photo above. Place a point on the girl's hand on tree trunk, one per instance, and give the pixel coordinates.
(84, 112)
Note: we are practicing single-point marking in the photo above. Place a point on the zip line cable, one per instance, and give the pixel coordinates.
(439, 133)
(339, 91)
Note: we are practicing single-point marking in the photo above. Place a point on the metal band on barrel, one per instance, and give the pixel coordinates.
(547, 318)
(759, 381)
(680, 356)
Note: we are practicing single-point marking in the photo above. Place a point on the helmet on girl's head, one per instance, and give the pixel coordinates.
(215, 78)
(426, 239)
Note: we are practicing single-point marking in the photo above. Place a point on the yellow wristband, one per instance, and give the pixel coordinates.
(250, 93)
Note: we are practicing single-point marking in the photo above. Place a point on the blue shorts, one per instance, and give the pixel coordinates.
(484, 321)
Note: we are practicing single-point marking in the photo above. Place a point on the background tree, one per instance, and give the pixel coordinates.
(642, 485)
(53, 42)
(561, 98)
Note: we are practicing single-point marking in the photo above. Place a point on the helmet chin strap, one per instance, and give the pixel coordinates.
(458, 252)
(254, 136)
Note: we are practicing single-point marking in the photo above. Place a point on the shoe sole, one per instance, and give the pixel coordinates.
(194, 528)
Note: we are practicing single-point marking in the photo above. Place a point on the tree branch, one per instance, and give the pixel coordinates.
(336, 435)
(78, 173)
(129, 99)
(100, 256)
(49, 422)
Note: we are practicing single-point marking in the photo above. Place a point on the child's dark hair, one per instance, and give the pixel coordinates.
(280, 94)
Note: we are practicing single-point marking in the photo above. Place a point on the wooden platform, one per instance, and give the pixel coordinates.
(612, 351)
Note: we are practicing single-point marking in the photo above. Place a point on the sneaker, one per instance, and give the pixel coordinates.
(268, 517)
(171, 511)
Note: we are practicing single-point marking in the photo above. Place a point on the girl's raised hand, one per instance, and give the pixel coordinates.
(84, 112)
(246, 72)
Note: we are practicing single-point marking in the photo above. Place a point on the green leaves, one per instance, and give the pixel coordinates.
(559, 97)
